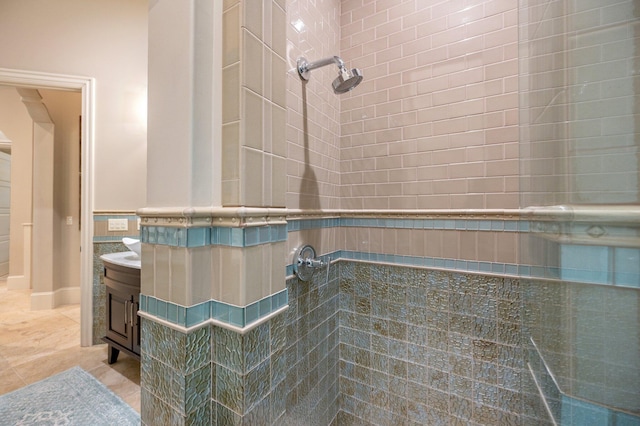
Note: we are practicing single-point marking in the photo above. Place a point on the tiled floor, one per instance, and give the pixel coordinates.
(38, 344)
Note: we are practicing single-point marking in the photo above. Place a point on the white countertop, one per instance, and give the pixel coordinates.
(126, 258)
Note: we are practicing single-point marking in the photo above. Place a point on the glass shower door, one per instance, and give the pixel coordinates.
(580, 182)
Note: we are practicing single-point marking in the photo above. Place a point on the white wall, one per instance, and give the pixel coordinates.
(65, 109)
(104, 39)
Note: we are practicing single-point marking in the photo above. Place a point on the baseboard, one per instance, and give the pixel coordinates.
(18, 282)
(53, 299)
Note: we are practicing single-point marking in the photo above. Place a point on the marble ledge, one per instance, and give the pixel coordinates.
(259, 216)
(597, 214)
(255, 216)
(212, 216)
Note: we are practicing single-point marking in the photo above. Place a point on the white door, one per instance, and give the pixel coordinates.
(5, 198)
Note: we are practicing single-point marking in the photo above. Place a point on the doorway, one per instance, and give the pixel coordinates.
(34, 80)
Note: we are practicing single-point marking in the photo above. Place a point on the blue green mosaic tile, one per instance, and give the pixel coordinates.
(228, 350)
(230, 389)
(195, 389)
(98, 287)
(257, 346)
(408, 330)
(257, 384)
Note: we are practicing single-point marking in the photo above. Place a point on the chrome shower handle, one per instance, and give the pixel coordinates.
(314, 263)
(305, 262)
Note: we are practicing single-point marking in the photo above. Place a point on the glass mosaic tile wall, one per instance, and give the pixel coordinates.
(376, 344)
(99, 289)
(312, 350)
(365, 344)
(175, 375)
(422, 346)
(284, 371)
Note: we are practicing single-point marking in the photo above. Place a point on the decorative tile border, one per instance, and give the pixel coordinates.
(236, 217)
(267, 233)
(205, 236)
(220, 312)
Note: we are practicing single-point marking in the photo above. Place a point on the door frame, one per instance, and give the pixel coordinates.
(41, 80)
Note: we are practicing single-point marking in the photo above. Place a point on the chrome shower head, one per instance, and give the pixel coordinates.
(346, 79)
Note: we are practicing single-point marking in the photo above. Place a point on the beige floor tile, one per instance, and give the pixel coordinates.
(35, 345)
(133, 400)
(10, 381)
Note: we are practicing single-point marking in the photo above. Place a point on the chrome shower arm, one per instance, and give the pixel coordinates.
(324, 62)
(305, 67)
(346, 80)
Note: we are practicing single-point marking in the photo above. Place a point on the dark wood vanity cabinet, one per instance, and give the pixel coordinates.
(122, 303)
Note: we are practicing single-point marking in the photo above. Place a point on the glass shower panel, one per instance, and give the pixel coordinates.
(580, 162)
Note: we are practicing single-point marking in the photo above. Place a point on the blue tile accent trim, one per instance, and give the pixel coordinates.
(428, 262)
(189, 316)
(298, 225)
(526, 271)
(579, 263)
(205, 236)
(458, 224)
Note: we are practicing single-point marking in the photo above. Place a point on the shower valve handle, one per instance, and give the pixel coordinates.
(314, 263)
(305, 262)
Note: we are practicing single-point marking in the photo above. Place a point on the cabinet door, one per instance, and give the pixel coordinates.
(118, 316)
(135, 340)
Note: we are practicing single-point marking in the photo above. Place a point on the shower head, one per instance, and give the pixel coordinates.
(346, 79)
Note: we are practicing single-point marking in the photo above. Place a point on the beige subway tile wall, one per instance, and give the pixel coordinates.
(254, 101)
(313, 110)
(476, 246)
(435, 119)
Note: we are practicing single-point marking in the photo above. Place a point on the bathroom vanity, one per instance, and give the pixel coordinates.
(122, 281)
